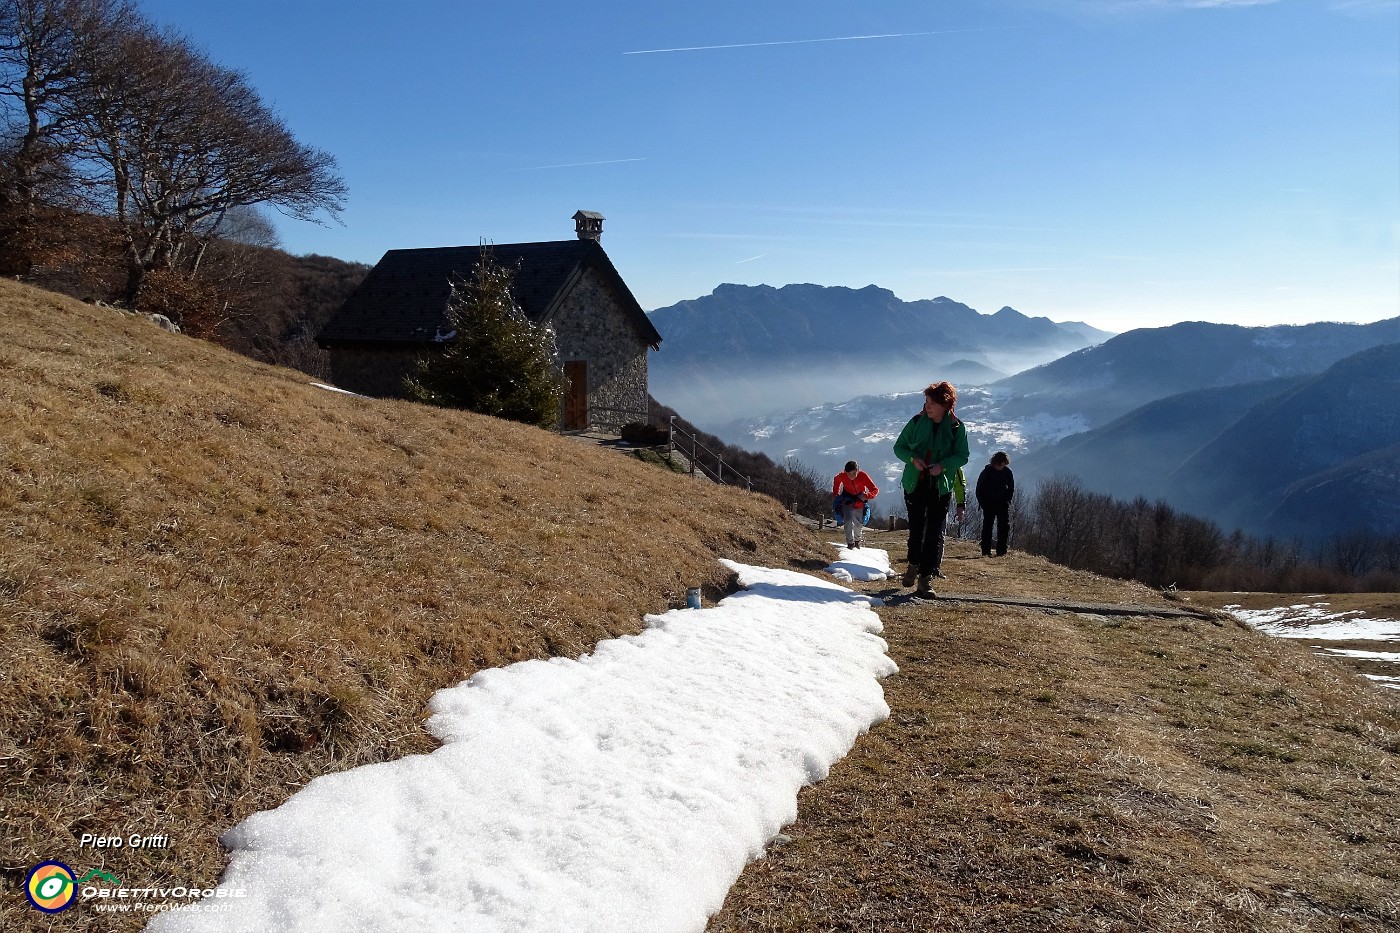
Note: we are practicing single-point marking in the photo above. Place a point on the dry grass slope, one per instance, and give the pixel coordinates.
(217, 581)
(1058, 771)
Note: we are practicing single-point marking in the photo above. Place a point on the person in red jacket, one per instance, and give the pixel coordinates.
(851, 489)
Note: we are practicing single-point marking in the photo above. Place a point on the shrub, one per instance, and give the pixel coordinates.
(496, 360)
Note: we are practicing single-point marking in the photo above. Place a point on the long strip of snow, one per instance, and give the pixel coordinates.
(624, 791)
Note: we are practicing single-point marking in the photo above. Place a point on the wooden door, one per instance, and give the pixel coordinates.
(576, 396)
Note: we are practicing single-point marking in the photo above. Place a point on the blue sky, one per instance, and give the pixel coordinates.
(1129, 163)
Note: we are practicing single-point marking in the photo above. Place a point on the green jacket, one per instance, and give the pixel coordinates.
(944, 442)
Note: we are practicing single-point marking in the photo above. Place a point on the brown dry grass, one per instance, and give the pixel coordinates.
(1059, 771)
(217, 581)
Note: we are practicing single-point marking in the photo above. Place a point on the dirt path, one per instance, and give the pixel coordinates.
(1051, 770)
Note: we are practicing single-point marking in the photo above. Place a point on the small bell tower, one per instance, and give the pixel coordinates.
(588, 225)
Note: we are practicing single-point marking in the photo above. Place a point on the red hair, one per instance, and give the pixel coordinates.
(942, 393)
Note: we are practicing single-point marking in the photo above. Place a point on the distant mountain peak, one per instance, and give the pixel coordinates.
(726, 289)
(748, 349)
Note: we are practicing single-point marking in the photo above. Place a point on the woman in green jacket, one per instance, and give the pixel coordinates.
(933, 446)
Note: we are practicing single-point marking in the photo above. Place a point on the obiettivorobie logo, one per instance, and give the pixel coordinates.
(50, 887)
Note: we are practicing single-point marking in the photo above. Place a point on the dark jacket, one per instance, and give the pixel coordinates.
(995, 487)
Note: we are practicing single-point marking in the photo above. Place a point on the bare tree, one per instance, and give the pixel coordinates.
(800, 485)
(247, 225)
(181, 141)
(1351, 552)
(40, 77)
(1063, 522)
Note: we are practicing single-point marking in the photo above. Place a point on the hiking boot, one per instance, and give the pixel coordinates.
(925, 586)
(911, 573)
(939, 575)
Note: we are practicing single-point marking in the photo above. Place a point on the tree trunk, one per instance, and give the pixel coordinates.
(135, 279)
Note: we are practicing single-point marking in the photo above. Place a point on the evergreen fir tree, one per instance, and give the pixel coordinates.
(497, 361)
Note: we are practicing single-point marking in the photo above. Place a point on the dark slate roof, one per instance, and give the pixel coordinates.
(404, 297)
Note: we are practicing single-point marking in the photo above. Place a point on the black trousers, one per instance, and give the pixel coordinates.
(1001, 515)
(928, 512)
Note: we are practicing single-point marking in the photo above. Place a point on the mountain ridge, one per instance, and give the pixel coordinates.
(1344, 413)
(746, 349)
(1126, 371)
(1300, 457)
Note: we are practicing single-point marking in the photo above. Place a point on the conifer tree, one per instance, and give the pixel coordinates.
(496, 360)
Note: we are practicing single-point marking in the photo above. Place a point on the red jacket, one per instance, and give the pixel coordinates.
(861, 484)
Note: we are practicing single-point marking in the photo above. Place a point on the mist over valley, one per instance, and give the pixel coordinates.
(745, 351)
(1284, 430)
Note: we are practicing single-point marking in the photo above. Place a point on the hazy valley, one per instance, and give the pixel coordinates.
(744, 351)
(1285, 430)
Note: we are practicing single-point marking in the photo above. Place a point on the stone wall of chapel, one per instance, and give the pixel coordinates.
(590, 325)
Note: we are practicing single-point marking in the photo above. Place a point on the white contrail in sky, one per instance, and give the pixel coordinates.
(534, 168)
(751, 258)
(750, 45)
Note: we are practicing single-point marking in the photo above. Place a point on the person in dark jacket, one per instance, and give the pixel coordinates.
(932, 446)
(995, 487)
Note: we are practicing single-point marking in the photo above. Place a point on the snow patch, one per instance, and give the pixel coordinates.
(620, 792)
(862, 563)
(322, 385)
(1312, 620)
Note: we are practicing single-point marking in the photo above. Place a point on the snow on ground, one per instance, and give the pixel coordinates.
(863, 563)
(1391, 657)
(1385, 657)
(1023, 433)
(322, 385)
(1312, 620)
(620, 792)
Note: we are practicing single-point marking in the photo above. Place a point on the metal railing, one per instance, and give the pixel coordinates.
(716, 474)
